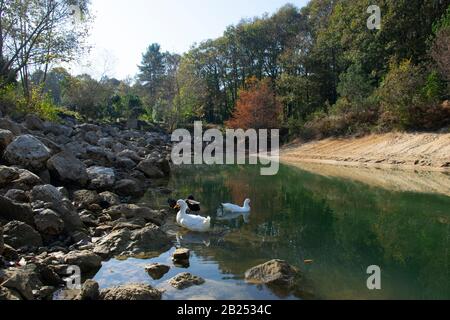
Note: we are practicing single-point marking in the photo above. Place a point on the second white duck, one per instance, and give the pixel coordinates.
(229, 207)
(192, 222)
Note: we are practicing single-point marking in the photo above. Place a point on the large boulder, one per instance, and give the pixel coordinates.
(46, 193)
(131, 292)
(101, 178)
(125, 242)
(68, 169)
(274, 272)
(11, 210)
(88, 262)
(185, 280)
(27, 151)
(48, 222)
(18, 235)
(150, 169)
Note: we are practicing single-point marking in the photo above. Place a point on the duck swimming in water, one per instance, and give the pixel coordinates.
(229, 207)
(191, 222)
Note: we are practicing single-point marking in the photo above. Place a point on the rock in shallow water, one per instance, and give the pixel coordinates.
(88, 262)
(185, 280)
(274, 272)
(89, 291)
(156, 270)
(131, 292)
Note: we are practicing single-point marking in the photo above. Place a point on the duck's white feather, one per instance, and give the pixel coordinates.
(235, 208)
(190, 221)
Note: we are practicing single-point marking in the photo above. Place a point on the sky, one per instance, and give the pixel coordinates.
(123, 29)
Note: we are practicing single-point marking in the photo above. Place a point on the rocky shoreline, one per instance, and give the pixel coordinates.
(67, 194)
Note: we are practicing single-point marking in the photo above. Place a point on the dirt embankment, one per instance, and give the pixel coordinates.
(421, 151)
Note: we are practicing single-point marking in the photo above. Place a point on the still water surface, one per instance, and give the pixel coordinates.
(342, 225)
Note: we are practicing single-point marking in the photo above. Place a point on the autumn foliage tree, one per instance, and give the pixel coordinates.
(257, 107)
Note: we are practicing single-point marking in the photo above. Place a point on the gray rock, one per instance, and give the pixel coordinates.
(88, 262)
(91, 137)
(84, 198)
(110, 198)
(274, 272)
(125, 242)
(132, 211)
(57, 129)
(89, 291)
(48, 194)
(69, 215)
(68, 169)
(33, 122)
(27, 151)
(130, 154)
(131, 292)
(49, 223)
(26, 181)
(9, 125)
(18, 235)
(181, 254)
(11, 210)
(16, 195)
(185, 280)
(150, 169)
(101, 177)
(156, 270)
(128, 187)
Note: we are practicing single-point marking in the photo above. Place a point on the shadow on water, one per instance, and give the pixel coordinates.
(342, 225)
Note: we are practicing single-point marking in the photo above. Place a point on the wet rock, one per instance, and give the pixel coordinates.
(156, 270)
(27, 151)
(131, 292)
(46, 193)
(49, 223)
(181, 254)
(11, 210)
(101, 177)
(274, 272)
(18, 235)
(150, 169)
(89, 291)
(88, 262)
(185, 280)
(132, 242)
(128, 187)
(68, 169)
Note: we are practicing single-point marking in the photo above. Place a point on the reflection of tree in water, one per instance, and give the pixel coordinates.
(342, 225)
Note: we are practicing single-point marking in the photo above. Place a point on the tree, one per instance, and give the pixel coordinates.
(257, 107)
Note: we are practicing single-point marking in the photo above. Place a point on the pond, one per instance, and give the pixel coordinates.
(342, 225)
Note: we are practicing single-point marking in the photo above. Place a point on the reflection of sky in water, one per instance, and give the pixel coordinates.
(343, 225)
(217, 285)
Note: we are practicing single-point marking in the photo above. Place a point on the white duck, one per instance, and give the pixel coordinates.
(235, 208)
(190, 221)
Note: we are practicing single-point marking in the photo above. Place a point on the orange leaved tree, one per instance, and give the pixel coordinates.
(257, 107)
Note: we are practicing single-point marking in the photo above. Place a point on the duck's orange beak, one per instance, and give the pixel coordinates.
(177, 207)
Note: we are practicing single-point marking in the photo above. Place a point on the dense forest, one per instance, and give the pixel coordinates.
(315, 71)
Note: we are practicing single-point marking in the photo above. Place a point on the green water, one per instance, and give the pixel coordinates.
(342, 225)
